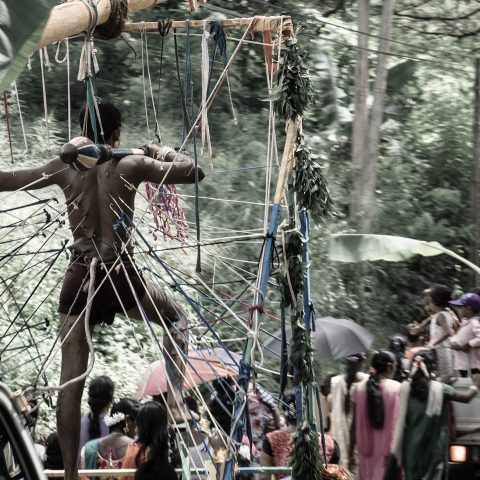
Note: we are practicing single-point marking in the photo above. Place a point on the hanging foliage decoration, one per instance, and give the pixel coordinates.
(293, 281)
(305, 454)
(301, 352)
(311, 185)
(293, 93)
(292, 96)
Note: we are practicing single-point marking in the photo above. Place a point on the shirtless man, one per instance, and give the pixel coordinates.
(100, 204)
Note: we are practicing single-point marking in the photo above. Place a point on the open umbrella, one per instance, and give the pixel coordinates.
(334, 338)
(201, 366)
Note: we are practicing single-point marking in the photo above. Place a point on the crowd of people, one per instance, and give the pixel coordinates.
(380, 415)
(398, 417)
(128, 434)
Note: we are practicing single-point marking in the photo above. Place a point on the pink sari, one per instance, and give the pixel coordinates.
(373, 445)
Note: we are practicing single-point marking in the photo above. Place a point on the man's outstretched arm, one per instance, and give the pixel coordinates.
(32, 178)
(169, 167)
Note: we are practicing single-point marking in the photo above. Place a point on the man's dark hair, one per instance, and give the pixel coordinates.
(111, 119)
(440, 295)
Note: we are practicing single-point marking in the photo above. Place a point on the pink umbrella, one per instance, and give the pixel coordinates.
(201, 366)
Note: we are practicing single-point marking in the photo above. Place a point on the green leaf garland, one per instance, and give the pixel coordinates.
(301, 351)
(293, 250)
(293, 93)
(306, 462)
(311, 185)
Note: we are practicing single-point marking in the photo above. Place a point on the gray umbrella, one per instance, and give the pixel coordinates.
(334, 338)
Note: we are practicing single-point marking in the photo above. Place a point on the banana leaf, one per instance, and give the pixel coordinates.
(358, 248)
(21, 25)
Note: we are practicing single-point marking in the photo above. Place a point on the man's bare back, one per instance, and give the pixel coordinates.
(96, 198)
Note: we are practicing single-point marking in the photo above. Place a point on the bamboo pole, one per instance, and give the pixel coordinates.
(72, 18)
(293, 126)
(260, 24)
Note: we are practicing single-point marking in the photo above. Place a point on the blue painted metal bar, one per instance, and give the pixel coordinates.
(245, 367)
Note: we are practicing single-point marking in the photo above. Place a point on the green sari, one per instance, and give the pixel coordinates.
(421, 439)
(91, 455)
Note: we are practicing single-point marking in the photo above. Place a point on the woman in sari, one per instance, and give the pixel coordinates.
(342, 407)
(108, 452)
(376, 403)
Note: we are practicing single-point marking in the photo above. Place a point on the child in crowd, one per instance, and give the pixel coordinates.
(441, 327)
(466, 341)
(416, 342)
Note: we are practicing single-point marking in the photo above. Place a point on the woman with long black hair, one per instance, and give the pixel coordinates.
(342, 406)
(376, 404)
(108, 452)
(152, 445)
(100, 399)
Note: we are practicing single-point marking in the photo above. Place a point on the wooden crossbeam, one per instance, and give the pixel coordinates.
(74, 17)
(261, 24)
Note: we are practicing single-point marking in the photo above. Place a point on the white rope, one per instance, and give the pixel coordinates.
(142, 35)
(45, 107)
(254, 335)
(226, 200)
(15, 92)
(157, 123)
(234, 114)
(165, 352)
(66, 58)
(88, 64)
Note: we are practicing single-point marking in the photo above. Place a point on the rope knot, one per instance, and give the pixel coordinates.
(113, 27)
(164, 26)
(259, 308)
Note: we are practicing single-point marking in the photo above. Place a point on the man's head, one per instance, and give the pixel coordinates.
(467, 305)
(439, 295)
(111, 122)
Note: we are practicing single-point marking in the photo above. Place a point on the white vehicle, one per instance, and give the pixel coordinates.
(464, 454)
(18, 458)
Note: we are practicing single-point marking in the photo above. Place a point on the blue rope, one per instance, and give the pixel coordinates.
(91, 81)
(216, 30)
(283, 353)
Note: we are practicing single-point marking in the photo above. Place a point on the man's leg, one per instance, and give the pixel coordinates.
(74, 363)
(162, 310)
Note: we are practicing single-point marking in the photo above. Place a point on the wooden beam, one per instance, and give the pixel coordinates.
(262, 24)
(72, 18)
